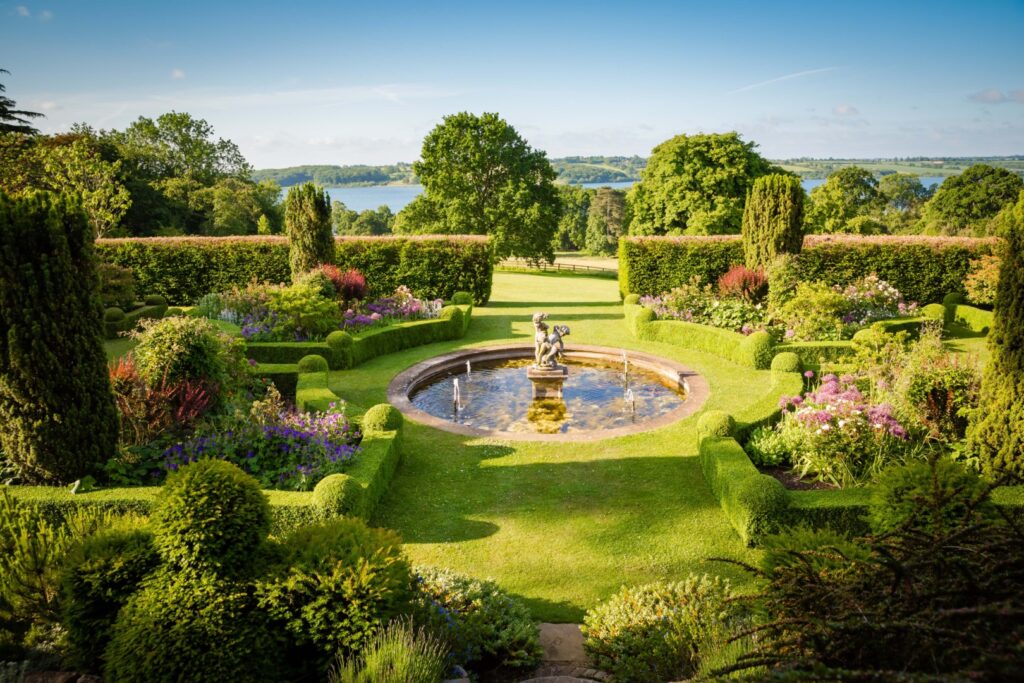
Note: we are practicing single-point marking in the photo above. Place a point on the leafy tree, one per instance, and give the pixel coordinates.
(903, 191)
(847, 193)
(59, 418)
(342, 218)
(65, 163)
(480, 177)
(966, 204)
(307, 218)
(232, 206)
(572, 226)
(263, 226)
(696, 185)
(996, 432)
(773, 219)
(371, 222)
(14, 120)
(605, 220)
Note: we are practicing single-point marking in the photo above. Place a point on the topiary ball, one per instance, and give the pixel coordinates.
(452, 313)
(313, 363)
(787, 361)
(952, 299)
(192, 627)
(865, 336)
(631, 299)
(934, 311)
(173, 311)
(336, 495)
(339, 340)
(715, 423)
(210, 516)
(765, 499)
(462, 298)
(99, 576)
(155, 300)
(382, 417)
(113, 315)
(756, 350)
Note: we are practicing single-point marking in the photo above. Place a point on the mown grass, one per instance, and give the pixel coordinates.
(561, 524)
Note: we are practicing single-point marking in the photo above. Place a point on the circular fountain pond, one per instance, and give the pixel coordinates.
(605, 394)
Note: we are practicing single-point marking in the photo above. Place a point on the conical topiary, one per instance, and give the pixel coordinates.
(307, 218)
(996, 431)
(59, 421)
(773, 219)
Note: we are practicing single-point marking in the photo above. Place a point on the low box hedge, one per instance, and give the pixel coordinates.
(753, 502)
(924, 269)
(115, 328)
(183, 269)
(975, 319)
(754, 351)
(814, 354)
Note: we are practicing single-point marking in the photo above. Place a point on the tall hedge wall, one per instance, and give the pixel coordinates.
(182, 269)
(924, 269)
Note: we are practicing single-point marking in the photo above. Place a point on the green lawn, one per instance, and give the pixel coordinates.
(561, 524)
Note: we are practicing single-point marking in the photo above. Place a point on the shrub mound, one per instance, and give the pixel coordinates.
(382, 417)
(313, 363)
(715, 423)
(655, 632)
(485, 627)
(210, 517)
(787, 361)
(334, 495)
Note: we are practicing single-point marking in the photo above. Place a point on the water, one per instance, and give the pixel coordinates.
(498, 396)
(396, 197)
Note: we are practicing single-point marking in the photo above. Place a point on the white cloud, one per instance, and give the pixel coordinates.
(22, 11)
(45, 15)
(177, 74)
(787, 77)
(997, 96)
(845, 110)
(49, 105)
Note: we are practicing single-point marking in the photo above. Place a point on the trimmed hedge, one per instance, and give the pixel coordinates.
(815, 353)
(924, 269)
(183, 269)
(343, 350)
(975, 319)
(129, 321)
(754, 351)
(753, 502)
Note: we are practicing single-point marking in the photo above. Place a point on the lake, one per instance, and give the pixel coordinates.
(396, 197)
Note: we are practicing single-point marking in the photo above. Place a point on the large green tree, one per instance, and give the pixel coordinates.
(12, 119)
(996, 431)
(65, 163)
(606, 218)
(849, 193)
(696, 185)
(967, 204)
(773, 219)
(307, 219)
(481, 177)
(572, 226)
(58, 414)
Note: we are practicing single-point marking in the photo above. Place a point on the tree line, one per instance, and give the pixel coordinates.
(172, 175)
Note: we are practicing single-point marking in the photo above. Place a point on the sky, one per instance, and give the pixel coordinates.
(348, 83)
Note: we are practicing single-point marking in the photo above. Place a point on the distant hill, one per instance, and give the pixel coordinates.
(578, 170)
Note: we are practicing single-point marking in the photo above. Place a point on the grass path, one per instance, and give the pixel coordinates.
(563, 525)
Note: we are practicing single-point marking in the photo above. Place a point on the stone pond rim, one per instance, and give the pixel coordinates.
(411, 379)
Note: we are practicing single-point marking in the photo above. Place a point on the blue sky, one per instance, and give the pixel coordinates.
(341, 82)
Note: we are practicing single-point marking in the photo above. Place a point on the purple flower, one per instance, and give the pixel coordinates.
(809, 374)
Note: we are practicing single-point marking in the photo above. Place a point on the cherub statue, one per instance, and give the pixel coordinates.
(540, 337)
(554, 346)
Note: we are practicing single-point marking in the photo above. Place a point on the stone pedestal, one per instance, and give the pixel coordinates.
(547, 382)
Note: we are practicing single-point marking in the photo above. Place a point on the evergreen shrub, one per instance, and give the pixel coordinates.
(57, 411)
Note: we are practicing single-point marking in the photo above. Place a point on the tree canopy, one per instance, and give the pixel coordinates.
(481, 177)
(12, 119)
(696, 185)
(848, 193)
(967, 204)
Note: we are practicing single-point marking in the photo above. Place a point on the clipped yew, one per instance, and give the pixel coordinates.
(996, 432)
(307, 219)
(57, 411)
(773, 219)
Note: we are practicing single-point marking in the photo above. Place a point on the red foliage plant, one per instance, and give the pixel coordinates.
(743, 283)
(353, 285)
(147, 412)
(334, 274)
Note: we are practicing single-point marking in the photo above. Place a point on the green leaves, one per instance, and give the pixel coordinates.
(481, 178)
